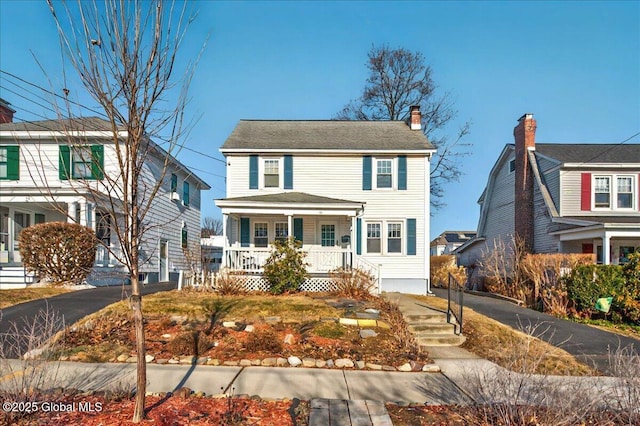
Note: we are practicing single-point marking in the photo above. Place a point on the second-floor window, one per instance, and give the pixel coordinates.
(4, 163)
(174, 183)
(271, 173)
(9, 163)
(603, 192)
(625, 192)
(384, 173)
(614, 192)
(81, 162)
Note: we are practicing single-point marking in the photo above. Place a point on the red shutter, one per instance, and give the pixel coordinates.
(587, 248)
(585, 192)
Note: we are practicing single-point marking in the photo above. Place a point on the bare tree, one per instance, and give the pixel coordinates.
(399, 79)
(211, 226)
(124, 53)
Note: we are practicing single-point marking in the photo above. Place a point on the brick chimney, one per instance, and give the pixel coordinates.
(415, 118)
(525, 139)
(6, 112)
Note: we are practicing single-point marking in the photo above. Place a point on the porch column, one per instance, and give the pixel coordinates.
(606, 257)
(223, 263)
(289, 225)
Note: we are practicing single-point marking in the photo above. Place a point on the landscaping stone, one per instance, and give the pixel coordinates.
(187, 360)
(255, 362)
(294, 361)
(162, 361)
(360, 365)
(166, 336)
(431, 368)
(132, 359)
(329, 319)
(230, 363)
(63, 358)
(178, 319)
(229, 324)
(200, 394)
(321, 363)
(183, 392)
(121, 358)
(308, 362)
(268, 362)
(367, 333)
(272, 320)
(149, 358)
(282, 362)
(372, 311)
(372, 366)
(330, 363)
(174, 361)
(202, 360)
(367, 315)
(213, 361)
(289, 339)
(245, 362)
(405, 367)
(348, 321)
(344, 363)
(249, 328)
(416, 366)
(388, 368)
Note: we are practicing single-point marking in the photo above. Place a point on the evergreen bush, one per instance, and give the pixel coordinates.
(286, 268)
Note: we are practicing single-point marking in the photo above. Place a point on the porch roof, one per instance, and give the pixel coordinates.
(290, 201)
(577, 227)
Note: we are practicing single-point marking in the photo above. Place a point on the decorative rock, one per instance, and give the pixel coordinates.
(367, 315)
(178, 319)
(330, 363)
(383, 324)
(367, 333)
(344, 363)
(162, 361)
(231, 363)
(431, 368)
(360, 365)
(132, 359)
(202, 360)
(255, 362)
(308, 362)
(289, 339)
(405, 367)
(282, 362)
(149, 358)
(229, 324)
(122, 358)
(320, 363)
(268, 362)
(249, 328)
(416, 366)
(63, 358)
(372, 366)
(272, 320)
(294, 361)
(329, 319)
(187, 360)
(245, 362)
(388, 368)
(200, 394)
(213, 361)
(174, 361)
(348, 321)
(372, 311)
(166, 336)
(183, 392)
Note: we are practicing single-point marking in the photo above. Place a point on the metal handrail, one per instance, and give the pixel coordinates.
(455, 303)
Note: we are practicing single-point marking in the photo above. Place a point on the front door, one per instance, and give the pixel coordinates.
(164, 260)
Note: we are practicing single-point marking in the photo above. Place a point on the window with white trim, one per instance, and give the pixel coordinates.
(271, 173)
(384, 173)
(374, 238)
(512, 166)
(394, 237)
(81, 161)
(328, 235)
(260, 234)
(4, 163)
(615, 192)
(282, 231)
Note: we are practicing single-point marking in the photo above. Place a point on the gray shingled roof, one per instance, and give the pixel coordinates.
(325, 134)
(591, 153)
(292, 197)
(83, 123)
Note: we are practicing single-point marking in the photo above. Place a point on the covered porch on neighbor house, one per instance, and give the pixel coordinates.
(611, 239)
(325, 226)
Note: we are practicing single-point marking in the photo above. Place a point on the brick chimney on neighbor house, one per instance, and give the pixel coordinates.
(525, 139)
(6, 112)
(415, 118)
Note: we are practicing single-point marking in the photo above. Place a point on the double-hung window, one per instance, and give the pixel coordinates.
(282, 231)
(260, 234)
(602, 191)
(384, 173)
(81, 162)
(615, 192)
(394, 237)
(271, 173)
(624, 192)
(373, 237)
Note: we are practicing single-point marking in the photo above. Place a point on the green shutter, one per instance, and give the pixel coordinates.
(64, 162)
(174, 183)
(253, 172)
(185, 193)
(402, 172)
(245, 232)
(358, 236)
(97, 161)
(288, 172)
(184, 237)
(411, 237)
(297, 228)
(366, 173)
(13, 163)
(38, 218)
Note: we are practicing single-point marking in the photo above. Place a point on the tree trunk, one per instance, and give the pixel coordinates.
(141, 377)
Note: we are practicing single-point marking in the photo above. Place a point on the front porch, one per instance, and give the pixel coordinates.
(321, 260)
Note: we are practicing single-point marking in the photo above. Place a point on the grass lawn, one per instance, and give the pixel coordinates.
(15, 296)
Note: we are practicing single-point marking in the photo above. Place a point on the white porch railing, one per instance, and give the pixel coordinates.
(105, 258)
(320, 259)
(372, 268)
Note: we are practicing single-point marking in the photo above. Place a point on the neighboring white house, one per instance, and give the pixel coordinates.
(355, 193)
(212, 248)
(40, 181)
(561, 198)
(448, 241)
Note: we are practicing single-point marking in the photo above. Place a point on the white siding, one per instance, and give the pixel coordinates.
(542, 241)
(500, 222)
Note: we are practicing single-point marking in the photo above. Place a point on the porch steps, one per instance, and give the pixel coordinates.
(15, 277)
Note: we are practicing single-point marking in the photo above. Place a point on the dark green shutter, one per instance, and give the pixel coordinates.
(13, 163)
(38, 218)
(402, 172)
(184, 237)
(411, 237)
(245, 232)
(97, 161)
(288, 172)
(253, 172)
(185, 193)
(366, 173)
(358, 236)
(174, 183)
(64, 162)
(297, 228)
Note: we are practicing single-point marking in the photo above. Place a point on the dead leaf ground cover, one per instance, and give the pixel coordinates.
(21, 295)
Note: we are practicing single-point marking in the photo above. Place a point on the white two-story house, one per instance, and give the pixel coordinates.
(354, 193)
(561, 198)
(45, 178)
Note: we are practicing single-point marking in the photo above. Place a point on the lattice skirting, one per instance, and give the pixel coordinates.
(313, 284)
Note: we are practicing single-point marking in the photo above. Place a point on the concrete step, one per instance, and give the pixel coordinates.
(430, 317)
(15, 275)
(421, 329)
(440, 340)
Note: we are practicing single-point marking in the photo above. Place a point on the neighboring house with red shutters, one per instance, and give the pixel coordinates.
(355, 193)
(561, 198)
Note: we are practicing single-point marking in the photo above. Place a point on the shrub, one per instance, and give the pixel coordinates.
(354, 283)
(58, 251)
(264, 338)
(442, 266)
(285, 269)
(192, 343)
(228, 284)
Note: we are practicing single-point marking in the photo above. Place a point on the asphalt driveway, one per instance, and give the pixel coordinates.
(590, 344)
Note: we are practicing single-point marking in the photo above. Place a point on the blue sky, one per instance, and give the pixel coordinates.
(574, 65)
